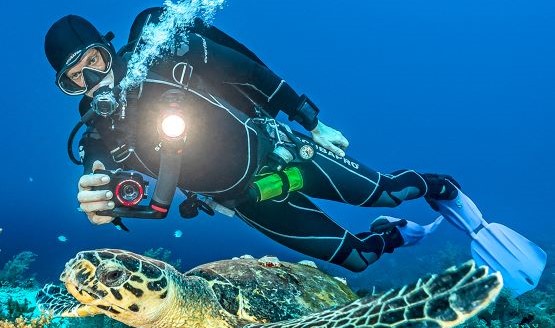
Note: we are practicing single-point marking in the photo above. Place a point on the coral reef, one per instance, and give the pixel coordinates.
(45, 321)
(14, 309)
(39, 322)
(18, 309)
(14, 272)
(533, 309)
(17, 302)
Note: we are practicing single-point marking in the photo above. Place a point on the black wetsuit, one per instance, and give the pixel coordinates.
(227, 148)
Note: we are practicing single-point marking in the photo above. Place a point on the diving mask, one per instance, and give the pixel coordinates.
(95, 62)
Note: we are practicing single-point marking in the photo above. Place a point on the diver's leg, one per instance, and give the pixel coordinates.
(300, 225)
(346, 180)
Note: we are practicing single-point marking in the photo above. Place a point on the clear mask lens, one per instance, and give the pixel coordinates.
(98, 63)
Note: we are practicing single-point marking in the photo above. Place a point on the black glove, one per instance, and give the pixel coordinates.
(383, 225)
(190, 207)
(440, 187)
(391, 236)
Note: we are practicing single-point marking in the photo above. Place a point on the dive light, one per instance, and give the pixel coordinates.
(172, 126)
(171, 123)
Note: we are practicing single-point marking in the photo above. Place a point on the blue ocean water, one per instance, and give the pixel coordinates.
(459, 87)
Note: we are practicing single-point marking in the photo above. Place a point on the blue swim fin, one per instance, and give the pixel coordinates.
(520, 261)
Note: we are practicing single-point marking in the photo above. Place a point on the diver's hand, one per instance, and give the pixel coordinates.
(92, 201)
(330, 139)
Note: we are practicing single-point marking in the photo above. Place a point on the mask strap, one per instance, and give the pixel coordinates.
(109, 36)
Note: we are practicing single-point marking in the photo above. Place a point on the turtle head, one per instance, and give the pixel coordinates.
(125, 286)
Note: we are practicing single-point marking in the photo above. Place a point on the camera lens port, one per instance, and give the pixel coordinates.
(129, 192)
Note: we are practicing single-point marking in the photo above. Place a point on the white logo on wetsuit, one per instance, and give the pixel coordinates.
(329, 153)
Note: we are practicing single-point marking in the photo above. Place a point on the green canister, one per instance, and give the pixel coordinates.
(275, 184)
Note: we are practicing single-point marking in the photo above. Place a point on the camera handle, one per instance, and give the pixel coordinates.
(170, 169)
(137, 212)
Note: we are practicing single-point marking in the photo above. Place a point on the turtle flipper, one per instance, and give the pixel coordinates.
(58, 302)
(443, 300)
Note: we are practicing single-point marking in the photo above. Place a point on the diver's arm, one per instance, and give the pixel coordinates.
(223, 64)
(220, 63)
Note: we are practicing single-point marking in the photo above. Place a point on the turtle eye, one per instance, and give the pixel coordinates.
(113, 277)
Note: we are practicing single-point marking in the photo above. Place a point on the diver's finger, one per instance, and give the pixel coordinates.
(341, 141)
(99, 219)
(97, 206)
(87, 196)
(336, 150)
(91, 180)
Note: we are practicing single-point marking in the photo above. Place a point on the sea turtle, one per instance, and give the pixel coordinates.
(246, 292)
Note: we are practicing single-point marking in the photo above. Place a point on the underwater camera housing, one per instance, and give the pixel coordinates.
(128, 188)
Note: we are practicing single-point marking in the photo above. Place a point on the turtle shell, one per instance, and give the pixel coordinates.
(256, 292)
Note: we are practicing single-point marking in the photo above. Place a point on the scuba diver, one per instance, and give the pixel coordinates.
(235, 155)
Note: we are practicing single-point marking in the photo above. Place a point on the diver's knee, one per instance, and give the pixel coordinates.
(354, 266)
(358, 261)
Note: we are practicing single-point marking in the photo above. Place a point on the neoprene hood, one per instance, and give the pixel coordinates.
(67, 37)
(65, 43)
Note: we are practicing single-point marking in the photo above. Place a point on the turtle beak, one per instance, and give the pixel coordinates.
(81, 295)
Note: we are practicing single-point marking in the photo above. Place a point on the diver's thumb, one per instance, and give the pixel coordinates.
(98, 165)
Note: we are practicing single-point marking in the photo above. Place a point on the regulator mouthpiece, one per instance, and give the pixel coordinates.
(104, 102)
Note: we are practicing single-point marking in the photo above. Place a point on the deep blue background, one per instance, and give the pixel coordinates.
(458, 87)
